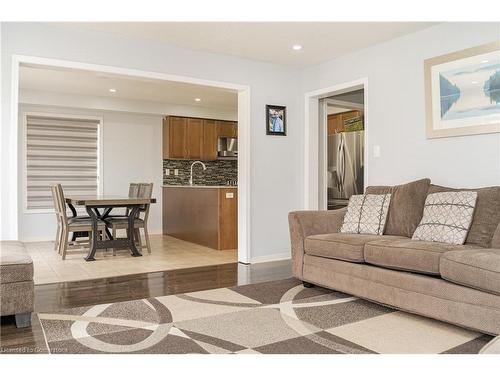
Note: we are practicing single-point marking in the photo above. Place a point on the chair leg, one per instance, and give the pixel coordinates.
(64, 243)
(137, 235)
(114, 237)
(58, 236)
(146, 235)
(60, 240)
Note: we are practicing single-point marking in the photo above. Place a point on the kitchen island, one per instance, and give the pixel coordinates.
(206, 215)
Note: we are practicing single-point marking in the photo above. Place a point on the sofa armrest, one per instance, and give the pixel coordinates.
(306, 223)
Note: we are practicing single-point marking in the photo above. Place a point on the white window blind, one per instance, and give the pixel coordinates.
(60, 150)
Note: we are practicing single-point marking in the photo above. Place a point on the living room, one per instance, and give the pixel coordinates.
(360, 284)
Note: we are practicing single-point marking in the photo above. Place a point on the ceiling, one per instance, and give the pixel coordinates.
(82, 82)
(265, 41)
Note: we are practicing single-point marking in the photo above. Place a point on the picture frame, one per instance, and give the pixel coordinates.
(462, 92)
(275, 120)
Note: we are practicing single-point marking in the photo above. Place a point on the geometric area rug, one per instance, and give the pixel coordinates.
(272, 317)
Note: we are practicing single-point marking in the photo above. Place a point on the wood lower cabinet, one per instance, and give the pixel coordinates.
(194, 138)
(206, 216)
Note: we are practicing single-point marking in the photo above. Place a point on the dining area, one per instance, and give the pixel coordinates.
(98, 222)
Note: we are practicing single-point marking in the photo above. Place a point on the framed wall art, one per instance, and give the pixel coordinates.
(462, 92)
(275, 120)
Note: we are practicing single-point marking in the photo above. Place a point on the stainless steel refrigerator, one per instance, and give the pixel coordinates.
(345, 167)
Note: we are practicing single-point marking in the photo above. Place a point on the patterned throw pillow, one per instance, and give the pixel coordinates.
(447, 217)
(366, 214)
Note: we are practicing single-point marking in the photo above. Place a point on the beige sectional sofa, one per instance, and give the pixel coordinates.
(459, 284)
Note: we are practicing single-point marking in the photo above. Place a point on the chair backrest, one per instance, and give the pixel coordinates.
(133, 190)
(59, 203)
(145, 191)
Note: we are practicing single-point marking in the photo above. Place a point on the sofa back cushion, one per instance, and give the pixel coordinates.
(486, 214)
(406, 207)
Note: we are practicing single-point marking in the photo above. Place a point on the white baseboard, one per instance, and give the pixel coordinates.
(271, 258)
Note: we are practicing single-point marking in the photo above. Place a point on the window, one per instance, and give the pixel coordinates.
(60, 149)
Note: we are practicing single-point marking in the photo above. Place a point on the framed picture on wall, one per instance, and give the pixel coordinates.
(462, 92)
(275, 120)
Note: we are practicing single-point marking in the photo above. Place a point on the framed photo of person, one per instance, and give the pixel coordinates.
(463, 92)
(275, 120)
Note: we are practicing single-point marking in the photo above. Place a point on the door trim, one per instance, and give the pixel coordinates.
(312, 139)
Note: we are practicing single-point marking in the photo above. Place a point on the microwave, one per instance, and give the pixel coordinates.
(227, 147)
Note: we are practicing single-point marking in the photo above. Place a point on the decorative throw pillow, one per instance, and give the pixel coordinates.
(366, 214)
(447, 217)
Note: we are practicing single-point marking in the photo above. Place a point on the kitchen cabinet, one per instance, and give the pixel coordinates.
(336, 121)
(227, 129)
(194, 138)
(174, 137)
(209, 140)
(206, 215)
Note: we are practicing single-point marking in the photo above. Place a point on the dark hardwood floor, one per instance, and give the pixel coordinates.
(54, 297)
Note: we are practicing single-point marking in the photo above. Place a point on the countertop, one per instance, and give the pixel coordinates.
(202, 186)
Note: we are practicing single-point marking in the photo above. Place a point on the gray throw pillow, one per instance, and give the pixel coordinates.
(447, 217)
(407, 204)
(366, 214)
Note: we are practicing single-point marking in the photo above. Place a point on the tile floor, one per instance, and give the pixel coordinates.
(167, 253)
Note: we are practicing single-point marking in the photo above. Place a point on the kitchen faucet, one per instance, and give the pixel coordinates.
(191, 176)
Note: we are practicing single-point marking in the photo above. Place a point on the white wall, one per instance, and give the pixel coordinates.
(396, 108)
(132, 152)
(275, 161)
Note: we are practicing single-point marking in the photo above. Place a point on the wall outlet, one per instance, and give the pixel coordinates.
(176, 172)
(167, 172)
(376, 151)
(229, 195)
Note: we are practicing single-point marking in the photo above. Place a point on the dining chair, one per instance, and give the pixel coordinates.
(136, 190)
(70, 225)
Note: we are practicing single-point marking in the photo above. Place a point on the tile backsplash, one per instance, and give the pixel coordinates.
(218, 172)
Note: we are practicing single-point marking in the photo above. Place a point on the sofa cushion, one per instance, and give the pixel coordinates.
(478, 269)
(366, 214)
(15, 263)
(408, 255)
(407, 205)
(447, 217)
(343, 246)
(486, 214)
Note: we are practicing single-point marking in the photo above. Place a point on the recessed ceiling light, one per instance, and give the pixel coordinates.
(297, 47)
(474, 82)
(484, 61)
(112, 90)
(197, 99)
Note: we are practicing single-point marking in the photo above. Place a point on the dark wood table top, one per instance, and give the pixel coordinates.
(106, 200)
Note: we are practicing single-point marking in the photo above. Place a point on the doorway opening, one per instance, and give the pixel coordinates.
(342, 124)
(147, 115)
(335, 144)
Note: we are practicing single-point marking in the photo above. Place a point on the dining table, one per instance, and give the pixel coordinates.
(99, 207)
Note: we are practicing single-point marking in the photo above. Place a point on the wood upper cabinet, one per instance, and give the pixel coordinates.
(336, 121)
(194, 138)
(174, 137)
(227, 129)
(209, 140)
